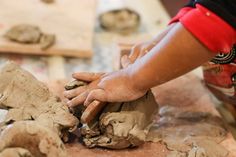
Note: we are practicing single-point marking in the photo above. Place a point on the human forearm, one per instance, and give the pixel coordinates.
(177, 53)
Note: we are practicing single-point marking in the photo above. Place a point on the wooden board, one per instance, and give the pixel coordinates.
(72, 21)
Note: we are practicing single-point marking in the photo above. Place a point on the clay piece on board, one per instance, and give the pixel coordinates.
(189, 134)
(15, 152)
(28, 99)
(47, 40)
(30, 34)
(24, 33)
(124, 21)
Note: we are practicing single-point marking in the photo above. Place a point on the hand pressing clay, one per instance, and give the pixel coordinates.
(30, 34)
(15, 152)
(37, 139)
(124, 21)
(120, 125)
(26, 98)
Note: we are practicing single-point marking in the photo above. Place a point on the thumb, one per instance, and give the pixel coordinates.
(97, 94)
(125, 61)
(86, 76)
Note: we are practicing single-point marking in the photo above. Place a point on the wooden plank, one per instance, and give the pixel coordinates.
(72, 22)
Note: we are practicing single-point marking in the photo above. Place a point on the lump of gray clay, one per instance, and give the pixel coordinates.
(124, 21)
(36, 119)
(123, 125)
(24, 33)
(30, 34)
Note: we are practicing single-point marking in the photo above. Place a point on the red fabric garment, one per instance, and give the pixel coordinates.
(180, 14)
(208, 28)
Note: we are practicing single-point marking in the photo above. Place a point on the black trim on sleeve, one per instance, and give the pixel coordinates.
(226, 9)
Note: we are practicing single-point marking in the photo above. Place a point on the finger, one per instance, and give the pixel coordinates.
(134, 53)
(143, 52)
(78, 100)
(86, 76)
(125, 61)
(74, 92)
(91, 111)
(97, 94)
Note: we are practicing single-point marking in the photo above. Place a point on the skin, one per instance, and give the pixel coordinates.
(176, 52)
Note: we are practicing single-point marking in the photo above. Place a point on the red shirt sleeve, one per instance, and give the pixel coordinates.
(180, 14)
(208, 28)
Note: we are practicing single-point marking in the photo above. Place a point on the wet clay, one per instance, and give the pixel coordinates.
(28, 99)
(189, 134)
(122, 125)
(124, 21)
(30, 34)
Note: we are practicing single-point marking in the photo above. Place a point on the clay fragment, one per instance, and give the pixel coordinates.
(124, 21)
(15, 152)
(30, 34)
(40, 141)
(47, 40)
(24, 33)
(48, 1)
(74, 84)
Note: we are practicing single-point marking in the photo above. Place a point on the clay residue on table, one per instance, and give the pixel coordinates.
(189, 134)
(36, 118)
(30, 34)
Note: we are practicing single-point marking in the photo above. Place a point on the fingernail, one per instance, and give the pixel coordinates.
(69, 103)
(65, 93)
(86, 104)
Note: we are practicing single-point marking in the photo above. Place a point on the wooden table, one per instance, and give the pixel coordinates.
(189, 94)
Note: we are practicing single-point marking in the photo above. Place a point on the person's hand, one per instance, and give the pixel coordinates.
(137, 51)
(110, 87)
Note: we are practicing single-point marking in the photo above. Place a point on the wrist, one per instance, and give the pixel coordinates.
(136, 81)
